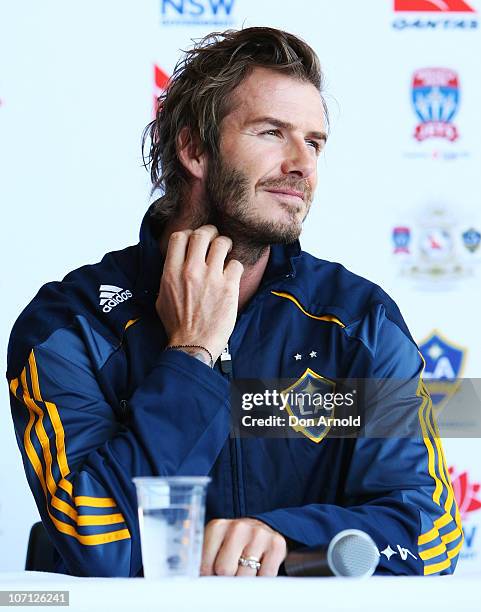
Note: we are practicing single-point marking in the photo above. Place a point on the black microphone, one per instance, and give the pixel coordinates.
(351, 552)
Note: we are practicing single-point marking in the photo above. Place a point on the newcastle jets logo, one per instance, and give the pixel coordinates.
(111, 296)
(309, 404)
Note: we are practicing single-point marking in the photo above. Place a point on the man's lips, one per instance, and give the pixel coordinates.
(287, 192)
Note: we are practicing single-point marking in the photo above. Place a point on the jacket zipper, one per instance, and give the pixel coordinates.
(234, 443)
(226, 368)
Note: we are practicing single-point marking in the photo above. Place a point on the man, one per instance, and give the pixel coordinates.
(219, 288)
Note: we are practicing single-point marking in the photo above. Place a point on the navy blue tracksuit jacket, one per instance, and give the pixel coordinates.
(96, 401)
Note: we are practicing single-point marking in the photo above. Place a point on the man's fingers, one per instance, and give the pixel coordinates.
(213, 537)
(199, 243)
(176, 250)
(233, 270)
(274, 556)
(235, 541)
(218, 250)
(226, 540)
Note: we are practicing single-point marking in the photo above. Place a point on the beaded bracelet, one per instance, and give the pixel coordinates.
(198, 346)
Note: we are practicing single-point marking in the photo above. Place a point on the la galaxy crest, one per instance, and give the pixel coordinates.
(313, 419)
(444, 366)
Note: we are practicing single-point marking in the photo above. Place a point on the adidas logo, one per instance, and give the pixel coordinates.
(111, 296)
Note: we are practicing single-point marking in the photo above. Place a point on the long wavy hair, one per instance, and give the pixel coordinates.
(198, 94)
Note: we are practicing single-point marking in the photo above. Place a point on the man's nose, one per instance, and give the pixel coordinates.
(300, 160)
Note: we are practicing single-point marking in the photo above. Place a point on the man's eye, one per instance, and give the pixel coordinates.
(314, 144)
(272, 132)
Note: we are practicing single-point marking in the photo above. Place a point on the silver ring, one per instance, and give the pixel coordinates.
(252, 562)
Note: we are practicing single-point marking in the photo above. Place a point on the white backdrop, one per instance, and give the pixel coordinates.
(77, 82)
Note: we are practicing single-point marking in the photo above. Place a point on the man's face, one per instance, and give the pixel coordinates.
(261, 187)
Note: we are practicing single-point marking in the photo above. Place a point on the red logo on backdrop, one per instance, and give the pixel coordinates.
(432, 6)
(465, 492)
(161, 80)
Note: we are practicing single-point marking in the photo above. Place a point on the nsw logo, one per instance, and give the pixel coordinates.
(111, 296)
(197, 12)
(435, 97)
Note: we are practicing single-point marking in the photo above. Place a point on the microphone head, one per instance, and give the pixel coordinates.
(352, 553)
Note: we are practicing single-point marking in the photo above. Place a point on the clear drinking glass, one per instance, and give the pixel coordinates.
(171, 517)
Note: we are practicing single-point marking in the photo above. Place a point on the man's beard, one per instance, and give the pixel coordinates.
(229, 207)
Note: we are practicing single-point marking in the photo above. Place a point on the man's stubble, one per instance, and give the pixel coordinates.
(228, 206)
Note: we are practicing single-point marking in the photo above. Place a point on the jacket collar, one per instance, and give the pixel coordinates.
(151, 260)
(282, 260)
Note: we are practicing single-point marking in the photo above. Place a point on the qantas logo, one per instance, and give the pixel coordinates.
(434, 15)
(432, 6)
(111, 296)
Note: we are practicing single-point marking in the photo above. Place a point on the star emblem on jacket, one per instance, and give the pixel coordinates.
(312, 355)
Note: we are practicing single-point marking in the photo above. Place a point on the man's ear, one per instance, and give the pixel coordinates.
(190, 153)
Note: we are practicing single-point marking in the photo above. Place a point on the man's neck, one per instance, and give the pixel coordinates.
(251, 278)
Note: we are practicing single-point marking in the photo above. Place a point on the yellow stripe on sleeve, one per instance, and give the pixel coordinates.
(88, 540)
(45, 444)
(436, 458)
(54, 418)
(95, 502)
(435, 434)
(439, 549)
(435, 551)
(48, 483)
(436, 567)
(433, 533)
(99, 519)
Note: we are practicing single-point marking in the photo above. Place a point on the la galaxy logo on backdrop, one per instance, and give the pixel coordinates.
(444, 367)
(197, 12)
(467, 497)
(434, 15)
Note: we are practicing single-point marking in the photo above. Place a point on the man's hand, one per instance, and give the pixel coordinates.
(198, 296)
(225, 540)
